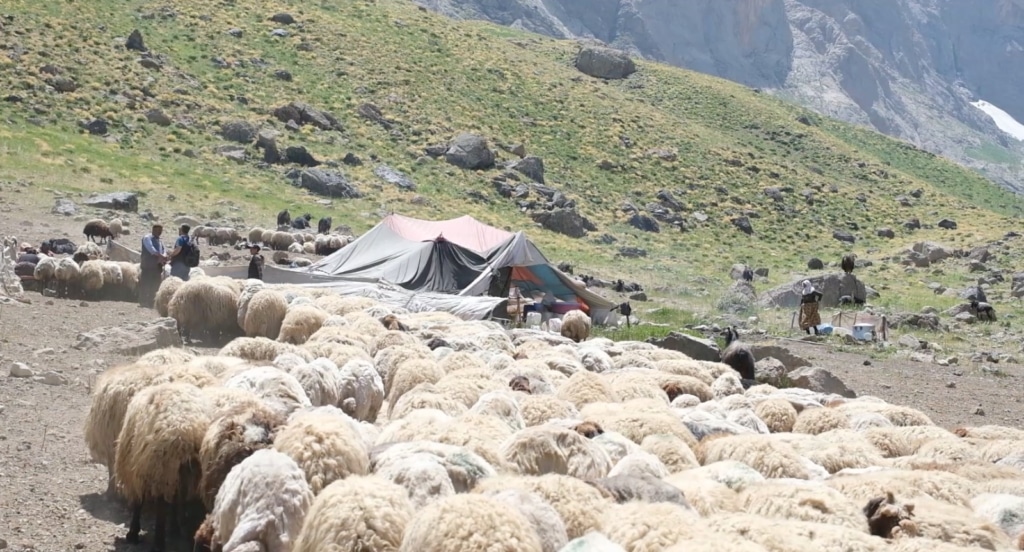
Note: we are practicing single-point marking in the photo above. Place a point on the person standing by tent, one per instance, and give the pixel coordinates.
(182, 245)
(809, 299)
(544, 307)
(255, 263)
(152, 262)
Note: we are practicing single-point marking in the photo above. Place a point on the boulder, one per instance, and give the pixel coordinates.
(267, 141)
(158, 117)
(135, 42)
(470, 151)
(304, 114)
(782, 354)
(242, 132)
(831, 286)
(564, 221)
(770, 370)
(118, 201)
(736, 273)
(885, 233)
(820, 380)
(947, 224)
(132, 339)
(693, 347)
(743, 223)
(532, 167)
(604, 63)
(395, 177)
(645, 223)
(933, 251)
(66, 207)
(328, 184)
(844, 236)
(300, 156)
(815, 264)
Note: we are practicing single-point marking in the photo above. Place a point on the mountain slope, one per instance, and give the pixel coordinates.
(908, 68)
(721, 150)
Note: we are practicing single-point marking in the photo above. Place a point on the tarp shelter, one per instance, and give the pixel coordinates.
(459, 256)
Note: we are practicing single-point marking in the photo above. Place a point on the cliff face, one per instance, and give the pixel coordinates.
(908, 68)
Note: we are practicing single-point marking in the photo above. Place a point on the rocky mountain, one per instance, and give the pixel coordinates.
(908, 68)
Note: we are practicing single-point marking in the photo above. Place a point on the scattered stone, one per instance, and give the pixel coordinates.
(820, 380)
(135, 42)
(300, 156)
(743, 223)
(283, 18)
(150, 62)
(132, 339)
(305, 114)
(233, 152)
(267, 141)
(885, 233)
(63, 84)
(815, 264)
(979, 411)
(373, 113)
(51, 378)
(693, 347)
(327, 183)
(564, 221)
(393, 176)
(532, 167)
(118, 201)
(283, 75)
(237, 33)
(867, 363)
(242, 132)
(947, 224)
(158, 118)
(21, 370)
(639, 296)
(950, 385)
(66, 207)
(784, 355)
(470, 151)
(96, 127)
(910, 342)
(604, 63)
(844, 236)
(644, 223)
(632, 252)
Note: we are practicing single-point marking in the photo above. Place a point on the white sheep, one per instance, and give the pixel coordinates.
(360, 390)
(356, 513)
(263, 502)
(445, 524)
(327, 446)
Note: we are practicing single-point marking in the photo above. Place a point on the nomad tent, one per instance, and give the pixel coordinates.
(460, 256)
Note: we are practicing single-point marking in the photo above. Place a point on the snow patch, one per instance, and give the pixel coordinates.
(1002, 119)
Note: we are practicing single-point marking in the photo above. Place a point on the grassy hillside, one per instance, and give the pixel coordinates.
(722, 143)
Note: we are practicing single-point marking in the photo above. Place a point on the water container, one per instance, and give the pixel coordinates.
(533, 319)
(863, 332)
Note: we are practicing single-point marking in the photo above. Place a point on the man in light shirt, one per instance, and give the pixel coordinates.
(152, 266)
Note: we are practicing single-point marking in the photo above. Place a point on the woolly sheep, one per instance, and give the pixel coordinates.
(641, 526)
(97, 228)
(232, 437)
(278, 388)
(639, 463)
(816, 503)
(779, 415)
(767, 455)
(45, 270)
(159, 445)
(707, 496)
(320, 380)
(445, 524)
(467, 386)
(300, 323)
(501, 405)
(360, 390)
(327, 447)
(111, 394)
(92, 277)
(356, 513)
(263, 502)
(548, 449)
(68, 275)
(819, 420)
(261, 349)
(591, 542)
(584, 387)
(643, 488)
(408, 375)
(205, 308)
(414, 465)
(577, 503)
(542, 517)
(575, 325)
(168, 287)
(671, 450)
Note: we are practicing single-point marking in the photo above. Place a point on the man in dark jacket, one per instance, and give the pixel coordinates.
(256, 263)
(151, 266)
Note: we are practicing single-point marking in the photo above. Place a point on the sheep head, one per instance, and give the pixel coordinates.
(392, 323)
(889, 519)
(589, 429)
(672, 389)
(961, 431)
(520, 383)
(204, 536)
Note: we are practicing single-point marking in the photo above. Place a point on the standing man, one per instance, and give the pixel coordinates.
(179, 267)
(152, 266)
(255, 263)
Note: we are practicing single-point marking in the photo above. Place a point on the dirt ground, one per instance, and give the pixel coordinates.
(51, 495)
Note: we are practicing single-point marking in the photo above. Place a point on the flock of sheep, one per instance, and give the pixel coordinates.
(337, 423)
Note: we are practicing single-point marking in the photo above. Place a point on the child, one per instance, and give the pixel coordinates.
(256, 263)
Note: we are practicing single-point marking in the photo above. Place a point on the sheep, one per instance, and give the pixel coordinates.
(356, 513)
(205, 308)
(738, 356)
(45, 271)
(575, 326)
(97, 228)
(157, 458)
(278, 388)
(88, 251)
(778, 414)
(848, 263)
(261, 506)
(577, 503)
(544, 519)
(429, 470)
(300, 323)
(261, 349)
(255, 235)
(327, 446)
(640, 526)
(889, 519)
(627, 488)
(547, 449)
(234, 436)
(320, 381)
(168, 287)
(265, 314)
(787, 501)
(392, 323)
(92, 278)
(770, 457)
(494, 526)
(68, 275)
(279, 241)
(116, 228)
(111, 394)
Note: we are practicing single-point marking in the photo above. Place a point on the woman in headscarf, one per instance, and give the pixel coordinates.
(809, 298)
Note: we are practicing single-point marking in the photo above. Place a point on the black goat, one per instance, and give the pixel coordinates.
(302, 223)
(625, 310)
(324, 225)
(284, 218)
(983, 311)
(848, 263)
(748, 274)
(738, 356)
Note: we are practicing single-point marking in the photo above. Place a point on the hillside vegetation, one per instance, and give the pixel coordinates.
(716, 146)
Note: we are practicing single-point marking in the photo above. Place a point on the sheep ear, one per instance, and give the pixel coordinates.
(872, 506)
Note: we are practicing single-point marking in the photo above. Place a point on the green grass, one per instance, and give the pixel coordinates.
(435, 78)
(993, 153)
